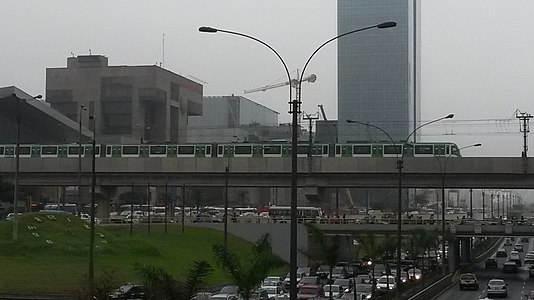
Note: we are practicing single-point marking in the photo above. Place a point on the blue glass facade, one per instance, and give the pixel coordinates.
(378, 69)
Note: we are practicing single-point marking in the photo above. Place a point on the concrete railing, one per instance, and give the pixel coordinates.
(434, 289)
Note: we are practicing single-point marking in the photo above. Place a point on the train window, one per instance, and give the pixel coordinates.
(220, 150)
(72, 150)
(186, 149)
(361, 149)
(1, 150)
(242, 149)
(302, 149)
(158, 150)
(48, 150)
(272, 149)
(338, 149)
(424, 149)
(130, 150)
(208, 150)
(24, 150)
(392, 149)
(325, 149)
(97, 150)
(108, 150)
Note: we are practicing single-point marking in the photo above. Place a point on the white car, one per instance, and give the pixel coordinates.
(335, 289)
(272, 290)
(514, 255)
(497, 287)
(386, 282)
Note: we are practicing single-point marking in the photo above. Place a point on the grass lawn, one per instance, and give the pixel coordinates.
(53, 256)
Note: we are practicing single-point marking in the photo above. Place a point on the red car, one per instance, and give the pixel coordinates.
(310, 291)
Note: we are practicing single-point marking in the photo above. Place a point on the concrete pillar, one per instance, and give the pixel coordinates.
(465, 250)
(454, 254)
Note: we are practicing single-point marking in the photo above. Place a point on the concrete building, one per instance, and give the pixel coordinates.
(131, 103)
(39, 123)
(231, 119)
(378, 70)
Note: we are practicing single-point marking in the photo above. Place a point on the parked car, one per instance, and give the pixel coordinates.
(518, 247)
(206, 218)
(490, 263)
(468, 281)
(128, 291)
(272, 290)
(497, 287)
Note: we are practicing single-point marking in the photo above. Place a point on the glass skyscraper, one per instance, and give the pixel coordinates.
(378, 70)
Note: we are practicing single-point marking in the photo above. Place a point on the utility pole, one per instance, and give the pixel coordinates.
(524, 120)
(310, 118)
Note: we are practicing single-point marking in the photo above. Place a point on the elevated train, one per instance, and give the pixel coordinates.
(376, 149)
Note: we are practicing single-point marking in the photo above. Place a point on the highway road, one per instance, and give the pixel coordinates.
(518, 284)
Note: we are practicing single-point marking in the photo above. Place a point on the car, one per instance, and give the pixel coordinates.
(507, 242)
(530, 295)
(497, 287)
(206, 218)
(386, 284)
(362, 278)
(501, 253)
(335, 289)
(518, 247)
(530, 271)
(310, 291)
(403, 275)
(363, 291)
(346, 283)
(468, 281)
(225, 292)
(10, 216)
(414, 274)
(524, 240)
(272, 280)
(272, 290)
(309, 280)
(490, 263)
(510, 267)
(128, 291)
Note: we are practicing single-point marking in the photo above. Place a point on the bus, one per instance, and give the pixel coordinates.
(67, 207)
(304, 214)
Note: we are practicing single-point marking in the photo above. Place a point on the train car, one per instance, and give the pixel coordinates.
(393, 150)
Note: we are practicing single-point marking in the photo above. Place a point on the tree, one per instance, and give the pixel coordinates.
(249, 272)
(327, 251)
(161, 285)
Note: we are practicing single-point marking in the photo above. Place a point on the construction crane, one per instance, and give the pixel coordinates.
(322, 112)
(293, 82)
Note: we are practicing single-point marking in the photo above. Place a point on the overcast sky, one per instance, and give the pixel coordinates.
(477, 55)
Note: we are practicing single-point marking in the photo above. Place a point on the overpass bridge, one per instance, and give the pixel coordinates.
(420, 172)
(462, 233)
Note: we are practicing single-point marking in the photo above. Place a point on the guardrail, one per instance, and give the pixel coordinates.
(434, 289)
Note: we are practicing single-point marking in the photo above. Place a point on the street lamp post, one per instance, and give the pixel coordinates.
(294, 111)
(93, 188)
(82, 108)
(17, 166)
(443, 170)
(400, 161)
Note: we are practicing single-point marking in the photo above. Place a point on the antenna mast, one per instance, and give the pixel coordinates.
(163, 52)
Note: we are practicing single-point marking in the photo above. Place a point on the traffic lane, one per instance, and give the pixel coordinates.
(517, 285)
